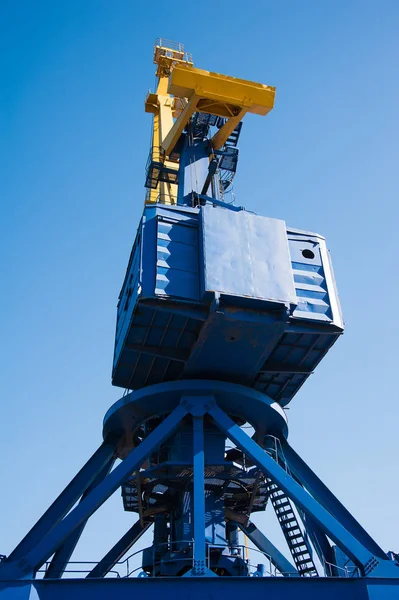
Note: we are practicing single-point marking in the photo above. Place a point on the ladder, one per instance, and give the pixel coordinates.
(297, 544)
(232, 140)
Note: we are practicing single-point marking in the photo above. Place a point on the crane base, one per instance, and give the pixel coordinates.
(235, 588)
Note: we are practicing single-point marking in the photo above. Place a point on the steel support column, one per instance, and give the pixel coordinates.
(199, 564)
(65, 501)
(320, 543)
(354, 549)
(327, 499)
(265, 545)
(119, 550)
(49, 544)
(63, 555)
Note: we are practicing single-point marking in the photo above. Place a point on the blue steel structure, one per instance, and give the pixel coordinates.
(222, 316)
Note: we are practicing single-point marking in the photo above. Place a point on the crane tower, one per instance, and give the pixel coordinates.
(222, 316)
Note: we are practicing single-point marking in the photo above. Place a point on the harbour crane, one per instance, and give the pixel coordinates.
(222, 316)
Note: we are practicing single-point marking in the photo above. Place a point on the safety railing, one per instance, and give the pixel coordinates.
(172, 45)
(152, 197)
(179, 104)
(347, 571)
(172, 50)
(157, 170)
(158, 456)
(276, 451)
(125, 568)
(129, 566)
(155, 154)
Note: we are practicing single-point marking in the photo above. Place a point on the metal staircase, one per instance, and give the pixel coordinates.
(232, 140)
(157, 170)
(297, 544)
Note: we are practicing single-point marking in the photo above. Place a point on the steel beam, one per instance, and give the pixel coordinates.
(327, 499)
(221, 93)
(320, 543)
(202, 588)
(119, 550)
(49, 544)
(265, 545)
(227, 129)
(169, 353)
(63, 555)
(199, 564)
(170, 140)
(65, 501)
(329, 524)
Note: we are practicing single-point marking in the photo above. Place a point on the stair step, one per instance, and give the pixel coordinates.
(287, 529)
(282, 504)
(283, 511)
(310, 570)
(295, 537)
(292, 531)
(233, 137)
(287, 522)
(304, 553)
(286, 515)
(303, 562)
(298, 544)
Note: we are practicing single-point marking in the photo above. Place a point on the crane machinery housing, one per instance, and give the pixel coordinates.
(222, 316)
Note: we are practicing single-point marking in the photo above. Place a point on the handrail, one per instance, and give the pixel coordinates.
(172, 45)
(271, 570)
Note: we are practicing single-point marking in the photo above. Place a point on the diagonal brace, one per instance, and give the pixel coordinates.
(119, 550)
(199, 494)
(265, 545)
(63, 555)
(227, 129)
(65, 501)
(327, 499)
(49, 544)
(170, 140)
(354, 549)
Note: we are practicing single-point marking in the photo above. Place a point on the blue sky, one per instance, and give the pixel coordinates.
(74, 141)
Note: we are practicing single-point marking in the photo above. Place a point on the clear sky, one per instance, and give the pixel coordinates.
(74, 141)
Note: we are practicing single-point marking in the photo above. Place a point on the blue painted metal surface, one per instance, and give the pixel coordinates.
(327, 499)
(226, 295)
(222, 316)
(117, 552)
(194, 162)
(199, 565)
(234, 588)
(333, 528)
(56, 536)
(63, 555)
(196, 400)
(65, 501)
(129, 415)
(245, 259)
(265, 545)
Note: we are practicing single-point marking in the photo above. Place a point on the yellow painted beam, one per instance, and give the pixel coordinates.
(161, 105)
(224, 132)
(198, 91)
(165, 114)
(169, 142)
(152, 194)
(151, 103)
(167, 56)
(185, 81)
